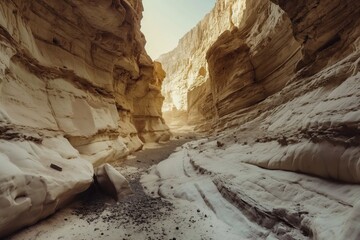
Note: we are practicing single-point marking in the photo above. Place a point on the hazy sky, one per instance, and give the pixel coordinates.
(166, 21)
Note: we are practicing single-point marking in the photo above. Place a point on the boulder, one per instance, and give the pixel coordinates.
(112, 182)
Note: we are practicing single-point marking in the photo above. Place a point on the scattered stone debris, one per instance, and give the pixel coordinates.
(219, 144)
(283, 141)
(137, 209)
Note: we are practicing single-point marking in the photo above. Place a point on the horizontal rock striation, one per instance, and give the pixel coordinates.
(187, 70)
(252, 61)
(256, 203)
(76, 86)
(311, 125)
(284, 80)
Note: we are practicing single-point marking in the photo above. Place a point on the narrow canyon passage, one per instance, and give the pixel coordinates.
(249, 128)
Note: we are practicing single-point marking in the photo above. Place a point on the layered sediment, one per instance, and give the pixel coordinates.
(77, 89)
(279, 91)
(282, 78)
(187, 94)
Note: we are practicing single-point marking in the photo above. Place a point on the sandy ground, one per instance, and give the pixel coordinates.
(138, 216)
(201, 189)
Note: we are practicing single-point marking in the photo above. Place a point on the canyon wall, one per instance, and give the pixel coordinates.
(76, 89)
(187, 94)
(283, 80)
(187, 87)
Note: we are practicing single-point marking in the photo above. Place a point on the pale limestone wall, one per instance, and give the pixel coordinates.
(186, 65)
(74, 77)
(284, 80)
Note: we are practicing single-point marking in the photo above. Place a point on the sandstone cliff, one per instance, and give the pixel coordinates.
(283, 79)
(76, 89)
(280, 91)
(187, 94)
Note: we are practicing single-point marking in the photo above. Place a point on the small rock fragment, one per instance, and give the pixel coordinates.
(219, 144)
(56, 167)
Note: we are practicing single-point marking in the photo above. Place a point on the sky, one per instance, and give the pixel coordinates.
(166, 21)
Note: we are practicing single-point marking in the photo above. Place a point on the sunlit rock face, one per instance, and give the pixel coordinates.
(187, 94)
(74, 82)
(187, 86)
(253, 60)
(147, 105)
(284, 79)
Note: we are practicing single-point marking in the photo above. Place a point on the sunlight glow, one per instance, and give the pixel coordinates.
(166, 21)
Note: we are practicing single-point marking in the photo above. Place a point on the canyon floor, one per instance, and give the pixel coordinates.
(196, 188)
(138, 216)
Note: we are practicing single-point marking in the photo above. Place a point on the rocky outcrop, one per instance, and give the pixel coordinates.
(312, 123)
(284, 80)
(254, 60)
(187, 72)
(326, 30)
(147, 105)
(112, 182)
(76, 87)
(285, 153)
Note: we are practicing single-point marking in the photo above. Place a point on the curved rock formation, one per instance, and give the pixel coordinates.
(76, 89)
(252, 61)
(147, 105)
(187, 94)
(281, 91)
(284, 79)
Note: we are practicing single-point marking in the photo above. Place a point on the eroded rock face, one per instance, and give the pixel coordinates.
(29, 188)
(186, 90)
(311, 125)
(264, 34)
(147, 105)
(284, 80)
(74, 80)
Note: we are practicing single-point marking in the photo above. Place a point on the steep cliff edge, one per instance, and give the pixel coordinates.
(76, 89)
(284, 79)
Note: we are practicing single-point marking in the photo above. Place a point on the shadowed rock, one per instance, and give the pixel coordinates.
(112, 182)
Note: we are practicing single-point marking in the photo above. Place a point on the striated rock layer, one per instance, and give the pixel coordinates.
(76, 89)
(186, 90)
(281, 92)
(284, 79)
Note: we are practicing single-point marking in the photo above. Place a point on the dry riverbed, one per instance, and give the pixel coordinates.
(138, 216)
